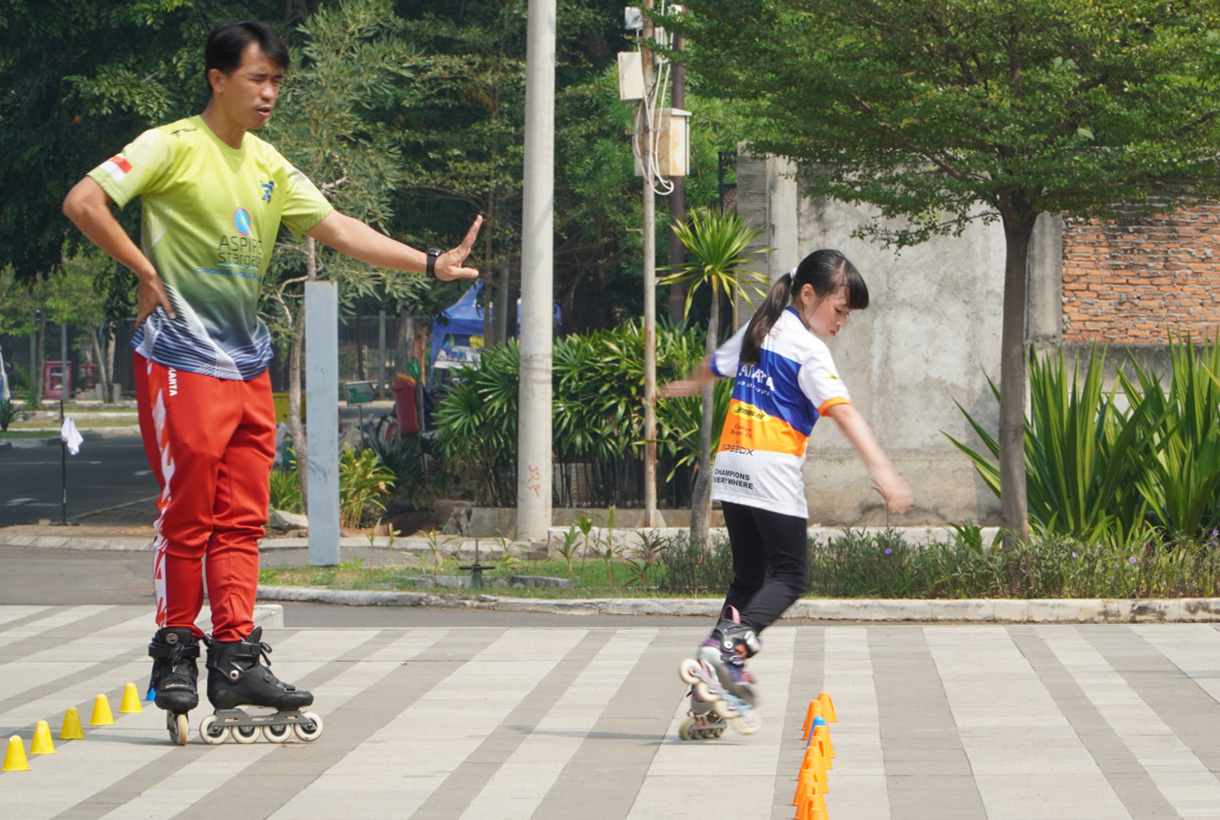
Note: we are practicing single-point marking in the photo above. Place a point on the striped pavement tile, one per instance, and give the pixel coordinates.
(986, 722)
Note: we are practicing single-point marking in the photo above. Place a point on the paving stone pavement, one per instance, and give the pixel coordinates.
(1003, 722)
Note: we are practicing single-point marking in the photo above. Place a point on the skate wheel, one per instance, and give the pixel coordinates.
(688, 671)
(747, 723)
(211, 733)
(723, 710)
(310, 731)
(245, 735)
(718, 731)
(684, 730)
(178, 727)
(704, 692)
(276, 734)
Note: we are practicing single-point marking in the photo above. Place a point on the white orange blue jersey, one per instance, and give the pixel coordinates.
(774, 405)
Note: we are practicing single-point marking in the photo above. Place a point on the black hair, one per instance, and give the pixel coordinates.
(228, 42)
(827, 271)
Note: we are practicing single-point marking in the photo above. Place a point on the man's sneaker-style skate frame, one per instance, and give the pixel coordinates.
(239, 674)
(245, 727)
(718, 678)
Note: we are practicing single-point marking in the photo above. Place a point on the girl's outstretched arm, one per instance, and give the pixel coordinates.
(692, 385)
(893, 489)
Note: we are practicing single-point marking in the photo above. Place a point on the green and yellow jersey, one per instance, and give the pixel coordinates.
(210, 217)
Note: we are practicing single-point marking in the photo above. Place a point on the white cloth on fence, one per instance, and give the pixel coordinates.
(71, 436)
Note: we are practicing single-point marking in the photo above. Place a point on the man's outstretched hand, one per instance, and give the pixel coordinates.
(449, 265)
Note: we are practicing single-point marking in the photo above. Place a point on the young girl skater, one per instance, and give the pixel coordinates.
(785, 380)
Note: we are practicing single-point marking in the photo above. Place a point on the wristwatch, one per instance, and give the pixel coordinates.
(432, 254)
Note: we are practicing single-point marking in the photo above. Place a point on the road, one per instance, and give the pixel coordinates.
(106, 472)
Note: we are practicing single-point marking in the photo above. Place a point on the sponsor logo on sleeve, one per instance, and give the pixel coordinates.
(268, 190)
(117, 167)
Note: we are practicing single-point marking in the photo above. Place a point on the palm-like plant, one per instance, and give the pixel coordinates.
(718, 247)
(1181, 477)
(1082, 454)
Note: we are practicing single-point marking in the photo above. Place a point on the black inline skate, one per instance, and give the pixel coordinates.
(174, 682)
(717, 676)
(239, 674)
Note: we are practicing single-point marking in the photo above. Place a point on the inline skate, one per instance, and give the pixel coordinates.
(701, 721)
(717, 674)
(174, 682)
(239, 674)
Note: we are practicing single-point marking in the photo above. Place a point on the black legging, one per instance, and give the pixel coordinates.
(770, 562)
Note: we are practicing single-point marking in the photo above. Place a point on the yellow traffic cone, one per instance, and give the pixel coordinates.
(101, 712)
(42, 744)
(14, 758)
(131, 699)
(72, 729)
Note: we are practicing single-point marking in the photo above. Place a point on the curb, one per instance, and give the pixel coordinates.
(76, 542)
(972, 610)
(54, 438)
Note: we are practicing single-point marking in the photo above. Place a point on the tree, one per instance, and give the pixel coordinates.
(716, 243)
(351, 62)
(946, 111)
(81, 79)
(72, 298)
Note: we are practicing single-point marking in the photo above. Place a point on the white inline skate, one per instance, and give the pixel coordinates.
(701, 721)
(718, 678)
(238, 676)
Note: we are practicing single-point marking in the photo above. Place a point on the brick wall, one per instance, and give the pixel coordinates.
(1133, 282)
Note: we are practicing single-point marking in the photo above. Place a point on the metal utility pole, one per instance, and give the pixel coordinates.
(534, 474)
(650, 281)
(677, 199)
(322, 408)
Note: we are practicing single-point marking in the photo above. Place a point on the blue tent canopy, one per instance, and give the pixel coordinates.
(457, 334)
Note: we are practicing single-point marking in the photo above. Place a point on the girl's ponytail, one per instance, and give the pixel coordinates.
(765, 317)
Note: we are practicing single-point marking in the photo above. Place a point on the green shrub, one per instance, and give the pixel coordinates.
(363, 482)
(1097, 472)
(476, 423)
(597, 412)
(1180, 479)
(1050, 565)
(690, 567)
(8, 412)
(1081, 453)
(404, 457)
(286, 490)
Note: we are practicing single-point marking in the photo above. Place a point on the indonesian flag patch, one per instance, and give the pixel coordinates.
(117, 167)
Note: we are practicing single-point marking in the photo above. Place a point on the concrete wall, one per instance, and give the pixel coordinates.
(930, 338)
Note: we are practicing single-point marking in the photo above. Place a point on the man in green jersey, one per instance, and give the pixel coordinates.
(213, 198)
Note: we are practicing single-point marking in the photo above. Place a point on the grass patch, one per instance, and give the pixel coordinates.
(26, 433)
(855, 564)
(591, 582)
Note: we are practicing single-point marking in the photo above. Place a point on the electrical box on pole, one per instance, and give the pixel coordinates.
(630, 76)
(671, 141)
